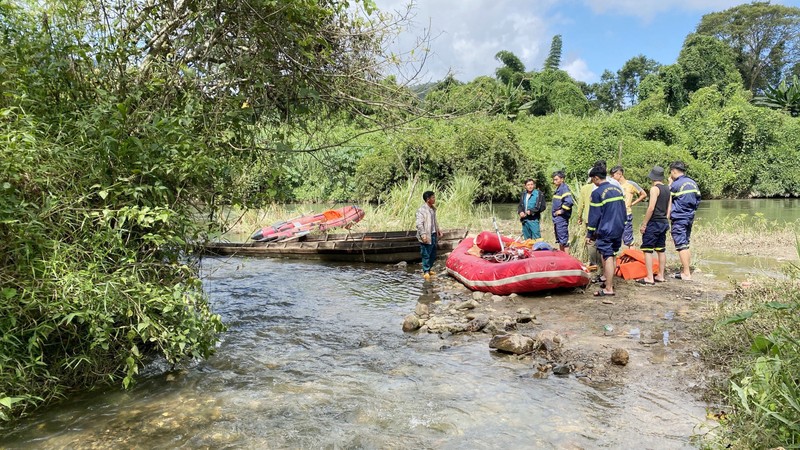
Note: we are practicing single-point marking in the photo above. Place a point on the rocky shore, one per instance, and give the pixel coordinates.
(573, 334)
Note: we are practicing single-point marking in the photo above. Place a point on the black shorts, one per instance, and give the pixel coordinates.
(655, 237)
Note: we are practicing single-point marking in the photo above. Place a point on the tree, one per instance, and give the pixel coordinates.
(553, 61)
(765, 39)
(706, 60)
(126, 126)
(608, 93)
(512, 70)
(632, 73)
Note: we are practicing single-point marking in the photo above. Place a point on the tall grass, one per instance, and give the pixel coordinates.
(755, 344)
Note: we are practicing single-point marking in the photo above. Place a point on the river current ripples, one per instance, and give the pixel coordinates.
(315, 358)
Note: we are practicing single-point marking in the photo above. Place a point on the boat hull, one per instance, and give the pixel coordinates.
(545, 270)
(379, 247)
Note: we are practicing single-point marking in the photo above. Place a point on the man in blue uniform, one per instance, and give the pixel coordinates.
(606, 224)
(685, 200)
(562, 210)
(531, 205)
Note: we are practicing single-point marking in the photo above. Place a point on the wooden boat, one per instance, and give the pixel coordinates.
(379, 247)
(303, 225)
(543, 270)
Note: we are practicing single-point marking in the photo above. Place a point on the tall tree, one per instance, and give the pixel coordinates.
(706, 60)
(632, 73)
(512, 70)
(764, 37)
(553, 61)
(607, 92)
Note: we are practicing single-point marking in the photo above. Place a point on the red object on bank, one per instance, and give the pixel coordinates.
(543, 270)
(299, 226)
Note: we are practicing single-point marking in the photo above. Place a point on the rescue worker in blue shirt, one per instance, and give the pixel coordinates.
(562, 210)
(607, 214)
(531, 205)
(685, 200)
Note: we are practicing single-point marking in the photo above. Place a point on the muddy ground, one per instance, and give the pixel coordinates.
(590, 328)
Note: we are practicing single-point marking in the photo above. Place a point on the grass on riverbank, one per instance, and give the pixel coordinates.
(747, 234)
(753, 350)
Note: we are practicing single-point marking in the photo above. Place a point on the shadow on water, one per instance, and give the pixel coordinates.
(315, 357)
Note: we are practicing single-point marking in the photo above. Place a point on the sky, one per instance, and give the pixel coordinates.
(597, 34)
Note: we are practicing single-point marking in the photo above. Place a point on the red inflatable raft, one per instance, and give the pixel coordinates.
(299, 226)
(543, 270)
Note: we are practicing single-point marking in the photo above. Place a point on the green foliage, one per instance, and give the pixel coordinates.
(608, 93)
(482, 94)
(751, 149)
(484, 149)
(512, 70)
(553, 61)
(707, 61)
(122, 128)
(632, 73)
(754, 343)
(785, 97)
(764, 37)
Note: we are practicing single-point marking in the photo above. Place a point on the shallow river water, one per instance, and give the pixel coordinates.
(315, 358)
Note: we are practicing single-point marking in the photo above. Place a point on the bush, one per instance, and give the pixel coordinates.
(484, 149)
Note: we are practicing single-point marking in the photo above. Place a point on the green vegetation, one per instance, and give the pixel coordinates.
(755, 345)
(126, 130)
(123, 128)
(527, 123)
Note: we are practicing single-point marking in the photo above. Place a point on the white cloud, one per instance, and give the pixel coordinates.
(649, 9)
(579, 70)
(468, 33)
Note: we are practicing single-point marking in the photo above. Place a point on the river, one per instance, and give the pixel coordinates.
(315, 358)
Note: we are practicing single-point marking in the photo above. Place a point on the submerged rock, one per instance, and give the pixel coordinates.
(512, 343)
(411, 323)
(422, 309)
(564, 369)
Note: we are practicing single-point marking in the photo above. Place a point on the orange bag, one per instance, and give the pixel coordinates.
(630, 265)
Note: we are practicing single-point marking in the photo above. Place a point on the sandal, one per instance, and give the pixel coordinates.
(598, 280)
(659, 281)
(602, 293)
(643, 282)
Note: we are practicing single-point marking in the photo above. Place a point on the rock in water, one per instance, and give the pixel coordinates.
(422, 309)
(512, 343)
(620, 357)
(476, 324)
(564, 369)
(411, 323)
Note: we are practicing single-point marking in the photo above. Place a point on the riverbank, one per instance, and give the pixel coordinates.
(645, 338)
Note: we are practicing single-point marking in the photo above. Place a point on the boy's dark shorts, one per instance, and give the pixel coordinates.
(655, 237)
